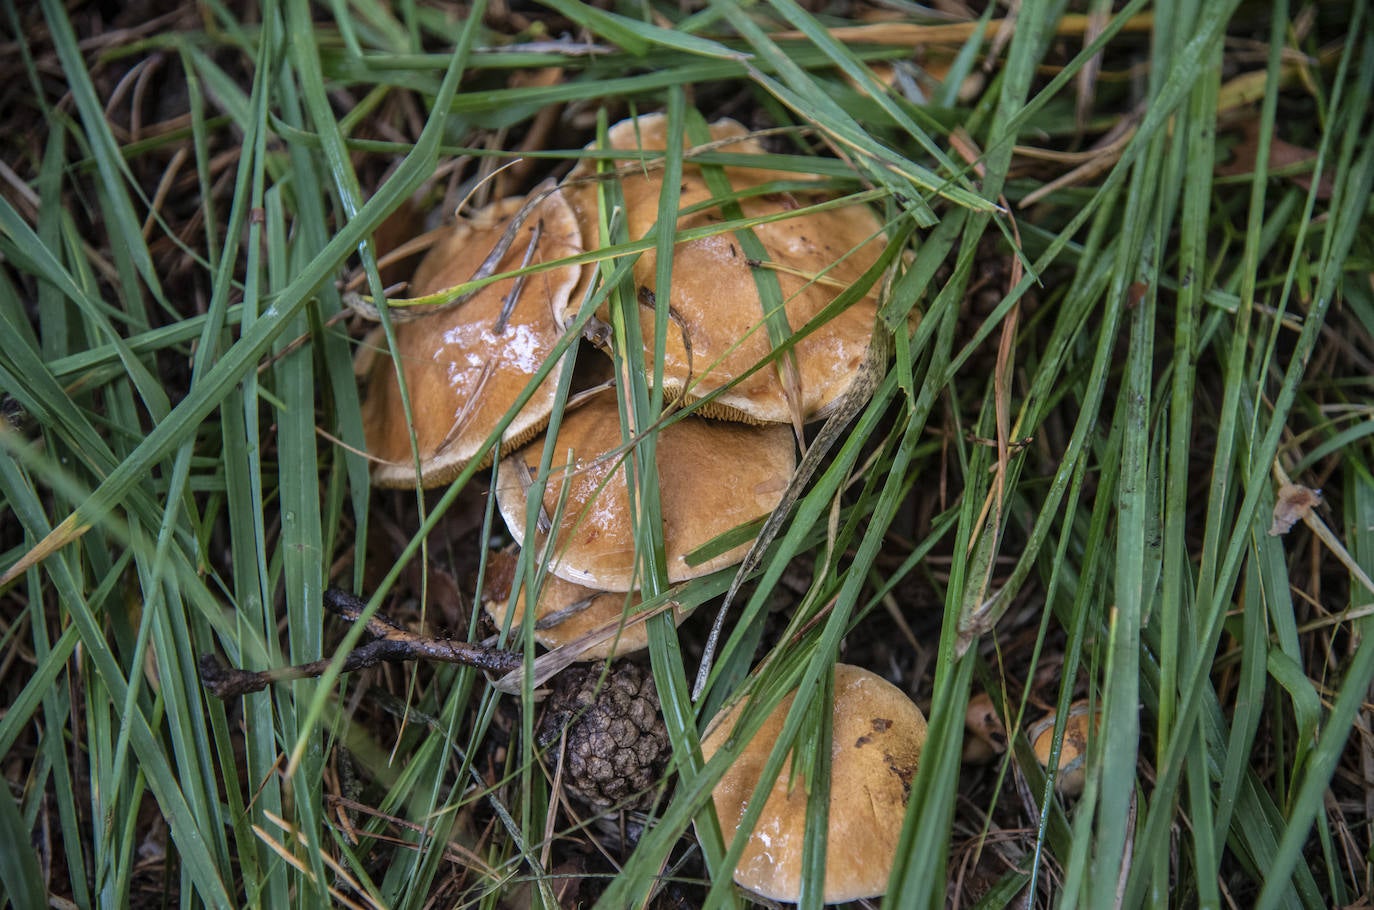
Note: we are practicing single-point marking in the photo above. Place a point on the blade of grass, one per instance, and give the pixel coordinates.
(670, 677)
(852, 67)
(244, 354)
(21, 881)
(1354, 180)
(640, 37)
(108, 159)
(1357, 179)
(905, 179)
(194, 853)
(1148, 209)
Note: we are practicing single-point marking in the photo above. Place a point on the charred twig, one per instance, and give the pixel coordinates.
(390, 643)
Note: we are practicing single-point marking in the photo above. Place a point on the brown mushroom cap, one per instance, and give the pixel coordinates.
(715, 301)
(585, 610)
(986, 736)
(713, 477)
(463, 375)
(1073, 753)
(878, 735)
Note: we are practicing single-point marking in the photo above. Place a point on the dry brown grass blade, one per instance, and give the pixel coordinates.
(549, 664)
(901, 34)
(69, 530)
(998, 40)
(540, 133)
(454, 852)
(295, 834)
(967, 149)
(1086, 94)
(1096, 162)
(1240, 91)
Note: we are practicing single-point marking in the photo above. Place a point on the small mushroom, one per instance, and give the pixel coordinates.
(1079, 727)
(713, 477)
(718, 332)
(986, 736)
(465, 364)
(876, 748)
(566, 612)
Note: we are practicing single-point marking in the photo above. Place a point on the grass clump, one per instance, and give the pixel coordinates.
(1131, 301)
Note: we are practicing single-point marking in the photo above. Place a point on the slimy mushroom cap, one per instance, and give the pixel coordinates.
(1079, 727)
(876, 748)
(713, 477)
(718, 330)
(463, 368)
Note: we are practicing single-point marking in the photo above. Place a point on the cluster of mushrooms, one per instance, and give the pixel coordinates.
(724, 459)
(722, 466)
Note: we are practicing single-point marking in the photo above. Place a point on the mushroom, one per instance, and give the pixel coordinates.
(876, 748)
(1079, 727)
(987, 737)
(713, 477)
(465, 364)
(566, 612)
(718, 332)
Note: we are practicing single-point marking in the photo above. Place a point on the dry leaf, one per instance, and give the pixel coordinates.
(1294, 503)
(1282, 156)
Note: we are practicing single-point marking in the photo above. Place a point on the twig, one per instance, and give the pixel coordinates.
(391, 643)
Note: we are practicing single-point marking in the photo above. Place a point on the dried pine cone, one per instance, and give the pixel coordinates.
(617, 744)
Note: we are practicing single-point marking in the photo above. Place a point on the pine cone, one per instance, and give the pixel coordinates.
(617, 744)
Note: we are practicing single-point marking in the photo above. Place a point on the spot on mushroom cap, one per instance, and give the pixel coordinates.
(876, 749)
(715, 301)
(586, 610)
(463, 375)
(713, 477)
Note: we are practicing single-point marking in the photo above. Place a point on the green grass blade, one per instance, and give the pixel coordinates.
(21, 881)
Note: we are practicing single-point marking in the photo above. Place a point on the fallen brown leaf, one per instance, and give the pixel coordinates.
(1294, 502)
